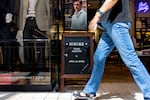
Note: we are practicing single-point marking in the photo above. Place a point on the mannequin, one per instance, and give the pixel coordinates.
(31, 32)
(6, 17)
(42, 11)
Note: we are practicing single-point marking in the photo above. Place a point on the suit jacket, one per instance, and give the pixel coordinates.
(6, 6)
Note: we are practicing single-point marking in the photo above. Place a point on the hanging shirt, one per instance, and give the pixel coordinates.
(37, 8)
(31, 8)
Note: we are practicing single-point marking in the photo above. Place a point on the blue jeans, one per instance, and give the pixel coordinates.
(118, 35)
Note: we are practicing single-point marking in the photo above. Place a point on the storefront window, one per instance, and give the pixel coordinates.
(25, 46)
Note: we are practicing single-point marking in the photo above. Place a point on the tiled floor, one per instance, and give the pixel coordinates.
(35, 96)
(126, 91)
(116, 85)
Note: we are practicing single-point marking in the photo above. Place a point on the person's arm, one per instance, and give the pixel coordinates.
(107, 5)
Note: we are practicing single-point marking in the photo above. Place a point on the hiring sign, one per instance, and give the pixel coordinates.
(76, 54)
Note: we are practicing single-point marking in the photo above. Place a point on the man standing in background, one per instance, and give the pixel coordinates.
(79, 17)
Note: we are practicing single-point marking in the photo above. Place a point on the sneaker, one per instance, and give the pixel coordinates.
(84, 96)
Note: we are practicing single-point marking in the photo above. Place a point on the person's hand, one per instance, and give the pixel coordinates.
(8, 17)
(93, 23)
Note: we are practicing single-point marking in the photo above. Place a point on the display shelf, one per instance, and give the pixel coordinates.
(142, 31)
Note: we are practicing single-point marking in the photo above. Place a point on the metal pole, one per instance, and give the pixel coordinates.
(57, 16)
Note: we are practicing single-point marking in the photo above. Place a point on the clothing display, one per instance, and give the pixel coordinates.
(31, 32)
(6, 14)
(34, 49)
(41, 10)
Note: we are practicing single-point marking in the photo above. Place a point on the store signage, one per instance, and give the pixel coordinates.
(76, 55)
(143, 7)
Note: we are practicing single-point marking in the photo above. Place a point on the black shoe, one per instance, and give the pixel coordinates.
(146, 98)
(84, 96)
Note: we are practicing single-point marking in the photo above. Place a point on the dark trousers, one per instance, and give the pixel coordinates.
(30, 34)
(5, 42)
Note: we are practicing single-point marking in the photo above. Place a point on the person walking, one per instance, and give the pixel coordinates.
(114, 16)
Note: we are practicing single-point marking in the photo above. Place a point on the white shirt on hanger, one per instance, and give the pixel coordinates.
(31, 8)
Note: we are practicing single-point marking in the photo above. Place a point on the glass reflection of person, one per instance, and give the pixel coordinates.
(79, 17)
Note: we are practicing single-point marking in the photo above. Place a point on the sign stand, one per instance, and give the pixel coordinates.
(76, 56)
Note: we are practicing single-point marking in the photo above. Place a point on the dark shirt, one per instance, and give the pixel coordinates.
(119, 13)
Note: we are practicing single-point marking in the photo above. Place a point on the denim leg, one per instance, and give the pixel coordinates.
(121, 38)
(104, 47)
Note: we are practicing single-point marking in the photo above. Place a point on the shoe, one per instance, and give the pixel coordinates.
(146, 98)
(82, 95)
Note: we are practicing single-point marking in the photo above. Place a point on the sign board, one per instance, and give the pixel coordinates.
(77, 53)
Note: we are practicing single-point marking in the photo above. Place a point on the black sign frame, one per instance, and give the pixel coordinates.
(80, 74)
(77, 53)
